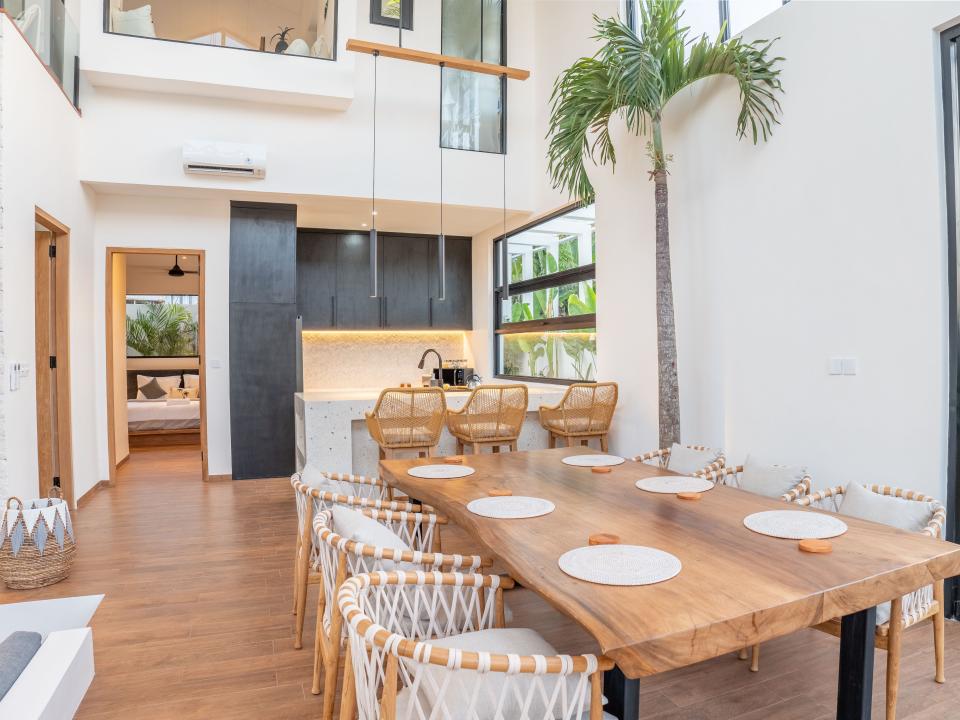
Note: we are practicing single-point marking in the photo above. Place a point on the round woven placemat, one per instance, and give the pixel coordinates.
(440, 472)
(673, 484)
(620, 564)
(795, 524)
(510, 507)
(593, 460)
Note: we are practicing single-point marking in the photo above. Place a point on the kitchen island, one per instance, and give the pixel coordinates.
(332, 434)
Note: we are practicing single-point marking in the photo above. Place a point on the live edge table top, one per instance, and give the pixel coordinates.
(736, 587)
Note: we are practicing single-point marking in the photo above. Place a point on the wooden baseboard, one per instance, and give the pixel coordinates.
(220, 478)
(123, 460)
(88, 495)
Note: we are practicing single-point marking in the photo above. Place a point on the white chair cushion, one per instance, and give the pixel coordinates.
(687, 460)
(861, 502)
(360, 528)
(316, 479)
(133, 22)
(298, 47)
(770, 480)
(520, 641)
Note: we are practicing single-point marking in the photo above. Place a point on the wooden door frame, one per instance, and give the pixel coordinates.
(201, 349)
(61, 234)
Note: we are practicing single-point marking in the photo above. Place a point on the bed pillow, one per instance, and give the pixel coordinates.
(138, 21)
(186, 393)
(191, 380)
(770, 481)
(298, 47)
(687, 460)
(519, 641)
(167, 382)
(152, 390)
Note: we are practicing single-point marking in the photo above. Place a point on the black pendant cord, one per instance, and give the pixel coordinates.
(400, 24)
(374, 285)
(442, 240)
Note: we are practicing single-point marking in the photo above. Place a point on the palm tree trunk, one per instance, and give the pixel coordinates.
(666, 326)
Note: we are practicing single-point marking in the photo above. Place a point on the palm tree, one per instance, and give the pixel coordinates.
(634, 76)
(162, 330)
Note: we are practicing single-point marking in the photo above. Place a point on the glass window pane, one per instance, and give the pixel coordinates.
(562, 301)
(560, 354)
(564, 243)
(471, 104)
(162, 325)
(702, 17)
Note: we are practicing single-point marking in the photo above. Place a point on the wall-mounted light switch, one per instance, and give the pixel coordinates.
(849, 366)
(835, 366)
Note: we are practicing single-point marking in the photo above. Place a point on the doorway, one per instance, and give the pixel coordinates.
(155, 350)
(52, 365)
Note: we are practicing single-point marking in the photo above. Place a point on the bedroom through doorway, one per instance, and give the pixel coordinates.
(156, 384)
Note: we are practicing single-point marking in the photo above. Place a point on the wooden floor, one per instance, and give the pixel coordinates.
(196, 622)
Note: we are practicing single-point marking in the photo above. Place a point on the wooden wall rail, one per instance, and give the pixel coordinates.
(421, 56)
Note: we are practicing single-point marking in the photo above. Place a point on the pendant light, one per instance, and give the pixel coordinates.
(441, 239)
(505, 252)
(374, 286)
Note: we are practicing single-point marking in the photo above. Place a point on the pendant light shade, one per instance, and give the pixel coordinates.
(374, 284)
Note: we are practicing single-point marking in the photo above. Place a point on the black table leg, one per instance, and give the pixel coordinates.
(855, 686)
(623, 695)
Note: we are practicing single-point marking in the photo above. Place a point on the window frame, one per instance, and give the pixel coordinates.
(378, 18)
(553, 280)
(332, 58)
(503, 85)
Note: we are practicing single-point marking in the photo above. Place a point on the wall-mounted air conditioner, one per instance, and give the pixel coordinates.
(204, 157)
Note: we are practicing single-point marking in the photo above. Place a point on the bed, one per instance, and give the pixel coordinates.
(164, 421)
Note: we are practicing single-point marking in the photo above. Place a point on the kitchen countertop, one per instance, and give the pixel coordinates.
(352, 394)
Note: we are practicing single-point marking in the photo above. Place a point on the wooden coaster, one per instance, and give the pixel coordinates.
(604, 539)
(499, 492)
(601, 469)
(818, 547)
(453, 460)
(689, 495)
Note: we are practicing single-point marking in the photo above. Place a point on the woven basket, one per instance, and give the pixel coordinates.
(37, 543)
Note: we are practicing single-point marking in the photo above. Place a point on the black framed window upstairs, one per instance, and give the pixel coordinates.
(473, 106)
(387, 12)
(709, 16)
(545, 326)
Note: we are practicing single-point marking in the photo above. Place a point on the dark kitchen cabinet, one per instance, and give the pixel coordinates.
(333, 282)
(317, 279)
(406, 281)
(456, 311)
(356, 310)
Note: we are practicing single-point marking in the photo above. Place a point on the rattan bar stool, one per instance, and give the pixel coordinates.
(584, 413)
(408, 419)
(491, 417)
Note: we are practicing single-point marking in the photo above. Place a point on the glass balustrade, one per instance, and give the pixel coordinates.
(305, 28)
(53, 35)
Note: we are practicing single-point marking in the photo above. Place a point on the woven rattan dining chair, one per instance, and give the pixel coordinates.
(730, 476)
(408, 419)
(394, 673)
(584, 413)
(662, 457)
(907, 611)
(492, 416)
(365, 492)
(340, 559)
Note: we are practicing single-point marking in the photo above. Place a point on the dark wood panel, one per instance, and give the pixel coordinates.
(263, 362)
(456, 311)
(317, 279)
(406, 281)
(355, 308)
(263, 253)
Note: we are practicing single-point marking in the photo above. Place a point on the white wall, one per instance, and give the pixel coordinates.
(175, 223)
(39, 138)
(829, 240)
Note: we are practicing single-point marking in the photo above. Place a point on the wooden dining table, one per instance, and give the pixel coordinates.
(736, 588)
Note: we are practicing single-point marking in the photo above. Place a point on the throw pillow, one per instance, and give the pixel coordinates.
(687, 460)
(770, 480)
(152, 390)
(138, 21)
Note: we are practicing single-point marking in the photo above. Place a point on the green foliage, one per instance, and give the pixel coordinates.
(634, 76)
(161, 330)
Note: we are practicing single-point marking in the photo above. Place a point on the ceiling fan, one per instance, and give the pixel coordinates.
(177, 271)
